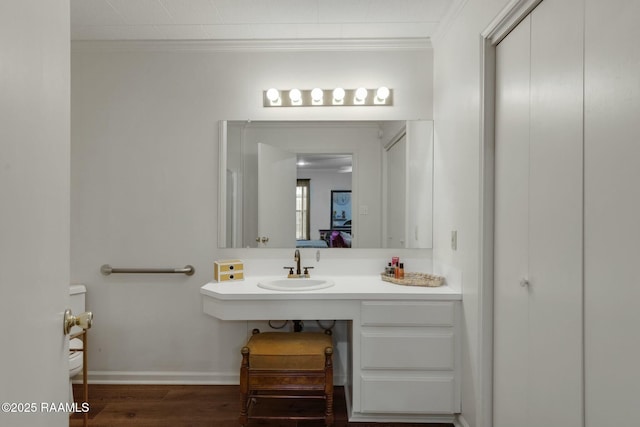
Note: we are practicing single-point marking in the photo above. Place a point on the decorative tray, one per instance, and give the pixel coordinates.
(416, 279)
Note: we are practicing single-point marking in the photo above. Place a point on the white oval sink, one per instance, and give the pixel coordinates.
(296, 284)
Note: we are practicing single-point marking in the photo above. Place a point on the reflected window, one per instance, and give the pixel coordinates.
(302, 209)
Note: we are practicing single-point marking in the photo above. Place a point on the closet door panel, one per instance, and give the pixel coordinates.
(511, 349)
(556, 194)
(612, 211)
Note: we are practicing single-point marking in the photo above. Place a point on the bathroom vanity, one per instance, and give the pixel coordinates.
(403, 341)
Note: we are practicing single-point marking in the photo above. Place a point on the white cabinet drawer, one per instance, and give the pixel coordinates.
(432, 351)
(407, 313)
(408, 395)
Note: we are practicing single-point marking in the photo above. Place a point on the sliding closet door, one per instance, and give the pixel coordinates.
(612, 212)
(555, 197)
(511, 242)
(538, 355)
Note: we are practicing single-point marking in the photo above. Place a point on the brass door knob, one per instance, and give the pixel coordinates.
(84, 320)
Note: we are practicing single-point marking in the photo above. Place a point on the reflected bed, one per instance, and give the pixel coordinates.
(311, 244)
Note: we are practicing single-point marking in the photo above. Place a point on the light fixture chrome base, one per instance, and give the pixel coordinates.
(380, 97)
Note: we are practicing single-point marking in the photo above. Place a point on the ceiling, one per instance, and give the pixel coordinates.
(340, 163)
(256, 19)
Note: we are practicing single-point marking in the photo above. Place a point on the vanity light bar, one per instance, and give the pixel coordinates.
(317, 97)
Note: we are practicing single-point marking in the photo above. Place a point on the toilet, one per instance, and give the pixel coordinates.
(77, 306)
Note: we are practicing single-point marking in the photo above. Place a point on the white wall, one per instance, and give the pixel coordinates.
(457, 178)
(144, 184)
(34, 208)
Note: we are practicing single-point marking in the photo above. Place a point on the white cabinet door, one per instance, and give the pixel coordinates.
(406, 349)
(408, 313)
(409, 359)
(418, 394)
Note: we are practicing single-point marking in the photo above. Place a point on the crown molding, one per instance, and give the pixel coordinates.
(306, 45)
(448, 20)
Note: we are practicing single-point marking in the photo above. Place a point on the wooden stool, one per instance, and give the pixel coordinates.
(285, 365)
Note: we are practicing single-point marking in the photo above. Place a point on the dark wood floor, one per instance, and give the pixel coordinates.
(189, 406)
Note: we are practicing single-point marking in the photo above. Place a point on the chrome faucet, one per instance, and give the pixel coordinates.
(296, 258)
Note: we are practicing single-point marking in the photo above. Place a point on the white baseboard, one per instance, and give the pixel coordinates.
(162, 377)
(400, 418)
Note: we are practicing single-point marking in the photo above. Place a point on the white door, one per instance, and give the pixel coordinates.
(612, 211)
(34, 211)
(538, 328)
(556, 213)
(276, 197)
(396, 194)
(511, 241)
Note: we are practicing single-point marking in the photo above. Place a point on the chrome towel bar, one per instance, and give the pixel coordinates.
(106, 269)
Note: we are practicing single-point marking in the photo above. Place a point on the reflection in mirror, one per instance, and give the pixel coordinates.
(319, 175)
(286, 184)
(340, 234)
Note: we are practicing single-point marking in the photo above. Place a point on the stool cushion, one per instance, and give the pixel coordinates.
(288, 350)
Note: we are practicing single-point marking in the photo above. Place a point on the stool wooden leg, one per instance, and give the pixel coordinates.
(244, 387)
(328, 386)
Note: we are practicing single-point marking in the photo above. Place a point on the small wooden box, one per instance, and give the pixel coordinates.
(223, 277)
(231, 269)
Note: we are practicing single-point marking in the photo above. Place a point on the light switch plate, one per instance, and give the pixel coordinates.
(454, 240)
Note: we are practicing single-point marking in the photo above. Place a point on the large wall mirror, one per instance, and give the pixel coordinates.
(322, 184)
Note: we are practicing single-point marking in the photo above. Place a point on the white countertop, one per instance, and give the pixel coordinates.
(370, 287)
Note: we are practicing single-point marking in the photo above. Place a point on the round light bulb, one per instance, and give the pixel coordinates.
(316, 94)
(295, 95)
(273, 95)
(361, 94)
(338, 94)
(382, 93)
